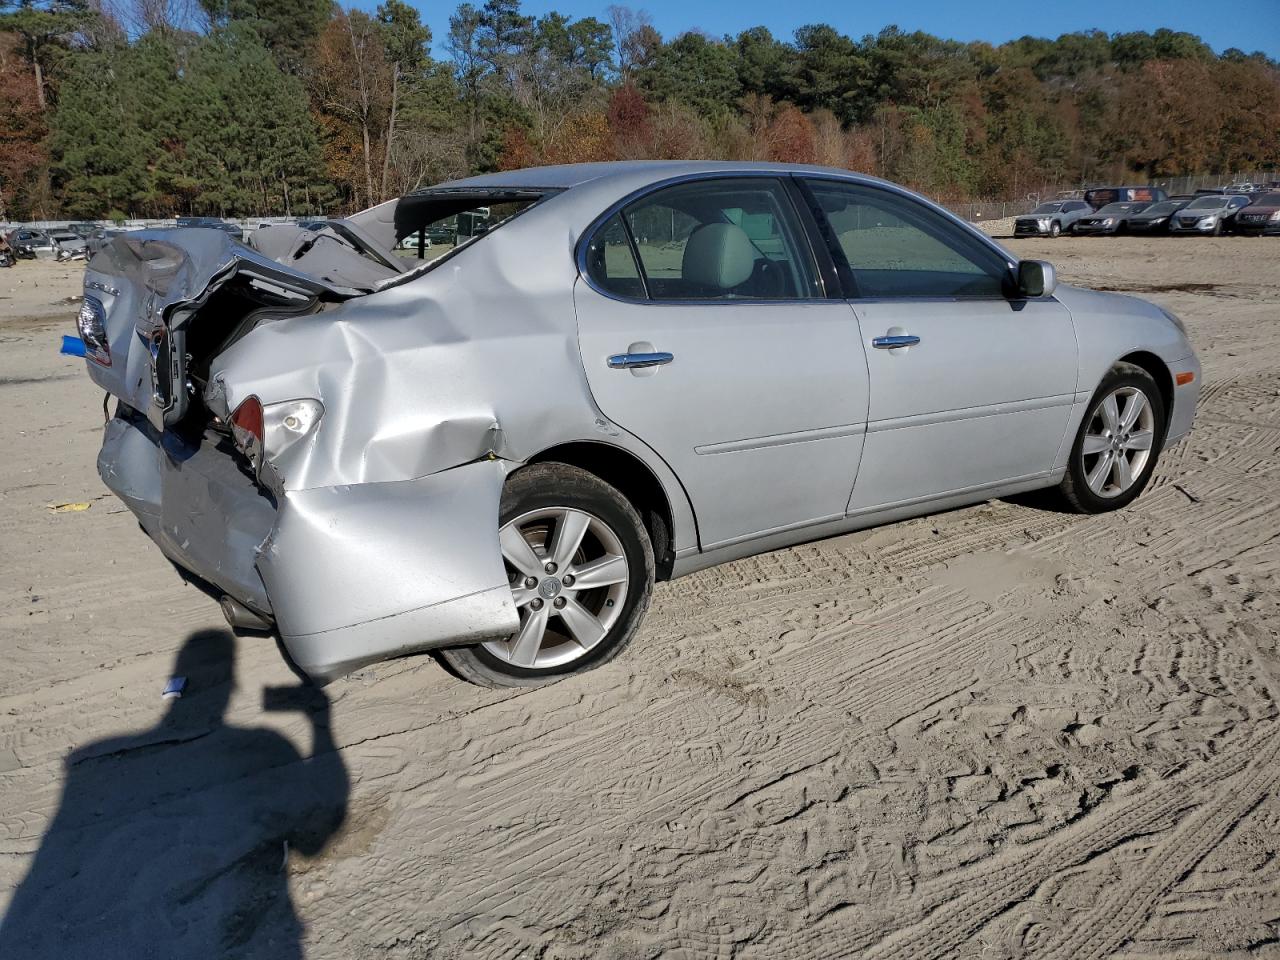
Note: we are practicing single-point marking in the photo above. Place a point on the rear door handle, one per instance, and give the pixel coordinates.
(893, 342)
(632, 361)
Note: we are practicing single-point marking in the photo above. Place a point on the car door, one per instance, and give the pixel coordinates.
(706, 332)
(969, 389)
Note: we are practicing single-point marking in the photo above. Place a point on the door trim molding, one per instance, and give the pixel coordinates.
(781, 439)
(971, 413)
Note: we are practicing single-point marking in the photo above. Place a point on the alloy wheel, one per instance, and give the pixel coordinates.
(569, 578)
(1118, 441)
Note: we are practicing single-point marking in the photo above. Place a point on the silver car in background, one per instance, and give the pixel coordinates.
(1211, 214)
(69, 245)
(637, 371)
(1051, 219)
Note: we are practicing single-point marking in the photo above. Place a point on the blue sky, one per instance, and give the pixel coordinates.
(1248, 24)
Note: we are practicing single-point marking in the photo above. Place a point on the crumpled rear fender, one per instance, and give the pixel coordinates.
(364, 572)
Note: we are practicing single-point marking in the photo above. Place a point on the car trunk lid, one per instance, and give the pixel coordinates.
(172, 299)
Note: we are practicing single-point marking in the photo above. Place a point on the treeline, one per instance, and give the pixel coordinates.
(235, 107)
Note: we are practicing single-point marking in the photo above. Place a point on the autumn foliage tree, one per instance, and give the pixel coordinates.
(155, 107)
(23, 153)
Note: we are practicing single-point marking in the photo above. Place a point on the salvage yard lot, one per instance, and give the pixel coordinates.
(1002, 731)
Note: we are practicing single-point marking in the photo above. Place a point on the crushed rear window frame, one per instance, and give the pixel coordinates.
(419, 209)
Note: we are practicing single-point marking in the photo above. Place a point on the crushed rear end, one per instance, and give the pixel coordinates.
(215, 447)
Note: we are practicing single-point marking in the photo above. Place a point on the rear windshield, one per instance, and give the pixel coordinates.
(431, 224)
(1048, 208)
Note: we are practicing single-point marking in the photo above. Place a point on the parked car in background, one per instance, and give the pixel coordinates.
(1051, 219)
(1240, 188)
(1262, 217)
(1155, 218)
(1099, 197)
(492, 454)
(1111, 219)
(37, 241)
(212, 223)
(1212, 215)
(69, 244)
(414, 242)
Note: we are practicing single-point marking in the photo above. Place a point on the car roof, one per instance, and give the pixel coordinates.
(564, 176)
(586, 191)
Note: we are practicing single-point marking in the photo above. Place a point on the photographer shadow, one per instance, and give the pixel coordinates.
(176, 841)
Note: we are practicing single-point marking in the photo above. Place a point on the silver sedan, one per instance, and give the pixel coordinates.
(632, 372)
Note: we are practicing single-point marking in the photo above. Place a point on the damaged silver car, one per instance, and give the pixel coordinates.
(625, 373)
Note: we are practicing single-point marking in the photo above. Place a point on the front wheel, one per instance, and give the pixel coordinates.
(1055, 229)
(581, 570)
(1118, 442)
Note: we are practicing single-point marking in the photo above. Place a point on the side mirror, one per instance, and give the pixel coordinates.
(1036, 278)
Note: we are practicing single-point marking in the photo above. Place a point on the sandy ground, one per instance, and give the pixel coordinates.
(1000, 732)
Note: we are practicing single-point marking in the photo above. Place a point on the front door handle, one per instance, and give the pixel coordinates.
(634, 361)
(894, 341)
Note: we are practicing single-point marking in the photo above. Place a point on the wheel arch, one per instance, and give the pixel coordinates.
(634, 479)
(1159, 373)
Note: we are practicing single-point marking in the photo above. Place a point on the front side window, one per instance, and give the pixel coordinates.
(895, 247)
(729, 239)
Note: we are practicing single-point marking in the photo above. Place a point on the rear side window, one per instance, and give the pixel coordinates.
(730, 239)
(611, 264)
(896, 248)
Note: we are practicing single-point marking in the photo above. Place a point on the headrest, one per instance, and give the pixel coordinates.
(718, 255)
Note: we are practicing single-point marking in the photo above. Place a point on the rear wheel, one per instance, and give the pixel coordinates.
(581, 570)
(1118, 442)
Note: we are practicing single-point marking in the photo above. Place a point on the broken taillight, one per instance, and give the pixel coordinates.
(247, 429)
(91, 322)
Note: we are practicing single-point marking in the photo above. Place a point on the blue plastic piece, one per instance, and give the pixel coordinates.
(73, 346)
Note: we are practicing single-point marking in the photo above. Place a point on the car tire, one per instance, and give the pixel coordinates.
(1055, 230)
(1217, 229)
(541, 503)
(1094, 482)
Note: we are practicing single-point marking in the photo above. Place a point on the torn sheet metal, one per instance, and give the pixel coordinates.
(152, 282)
